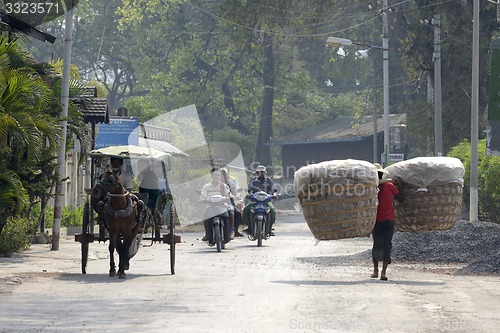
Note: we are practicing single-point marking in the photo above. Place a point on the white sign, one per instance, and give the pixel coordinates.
(396, 157)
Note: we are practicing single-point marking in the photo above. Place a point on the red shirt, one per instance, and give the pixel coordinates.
(385, 210)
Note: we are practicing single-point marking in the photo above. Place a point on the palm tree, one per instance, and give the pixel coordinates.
(28, 134)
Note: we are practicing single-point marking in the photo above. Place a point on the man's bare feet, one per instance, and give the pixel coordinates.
(374, 275)
(383, 277)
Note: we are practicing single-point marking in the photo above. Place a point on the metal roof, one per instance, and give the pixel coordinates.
(342, 129)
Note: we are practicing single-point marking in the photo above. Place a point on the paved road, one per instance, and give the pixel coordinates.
(291, 284)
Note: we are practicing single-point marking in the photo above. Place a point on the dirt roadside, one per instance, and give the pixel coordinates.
(276, 288)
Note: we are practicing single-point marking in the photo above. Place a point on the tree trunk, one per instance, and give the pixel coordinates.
(43, 207)
(3, 220)
(262, 154)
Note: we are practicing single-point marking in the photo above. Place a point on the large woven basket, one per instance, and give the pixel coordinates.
(345, 211)
(437, 209)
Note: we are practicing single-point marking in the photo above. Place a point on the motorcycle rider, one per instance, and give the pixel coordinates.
(215, 187)
(235, 210)
(261, 182)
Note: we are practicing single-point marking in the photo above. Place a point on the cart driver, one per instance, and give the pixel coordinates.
(126, 180)
(125, 177)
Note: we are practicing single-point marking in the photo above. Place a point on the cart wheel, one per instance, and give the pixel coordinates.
(85, 233)
(157, 219)
(172, 238)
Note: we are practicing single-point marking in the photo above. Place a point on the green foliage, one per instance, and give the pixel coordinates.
(29, 128)
(244, 142)
(70, 217)
(155, 56)
(16, 235)
(462, 152)
(101, 89)
(28, 134)
(416, 49)
(140, 106)
(13, 196)
(421, 133)
(488, 179)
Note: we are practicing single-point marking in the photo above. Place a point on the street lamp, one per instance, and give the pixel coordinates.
(335, 42)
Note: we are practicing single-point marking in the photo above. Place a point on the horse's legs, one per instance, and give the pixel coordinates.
(111, 247)
(122, 253)
(126, 259)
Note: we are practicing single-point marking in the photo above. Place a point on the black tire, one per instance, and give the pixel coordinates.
(222, 236)
(172, 238)
(267, 227)
(85, 233)
(218, 237)
(259, 232)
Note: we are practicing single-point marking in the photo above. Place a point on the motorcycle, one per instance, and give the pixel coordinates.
(217, 209)
(261, 224)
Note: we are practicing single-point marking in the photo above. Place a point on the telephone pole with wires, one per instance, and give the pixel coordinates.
(61, 156)
(438, 115)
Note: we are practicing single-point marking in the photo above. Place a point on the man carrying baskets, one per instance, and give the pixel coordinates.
(384, 225)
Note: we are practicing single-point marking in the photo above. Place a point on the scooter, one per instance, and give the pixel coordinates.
(261, 224)
(218, 210)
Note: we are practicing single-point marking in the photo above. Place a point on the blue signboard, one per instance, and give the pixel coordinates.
(119, 132)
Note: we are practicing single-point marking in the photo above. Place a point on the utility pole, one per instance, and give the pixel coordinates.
(438, 116)
(473, 213)
(61, 156)
(375, 134)
(385, 56)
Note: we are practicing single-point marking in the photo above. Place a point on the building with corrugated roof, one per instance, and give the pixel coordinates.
(339, 139)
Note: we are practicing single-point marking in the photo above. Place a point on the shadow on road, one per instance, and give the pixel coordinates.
(367, 281)
(102, 278)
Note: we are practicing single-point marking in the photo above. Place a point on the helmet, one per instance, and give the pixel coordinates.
(260, 168)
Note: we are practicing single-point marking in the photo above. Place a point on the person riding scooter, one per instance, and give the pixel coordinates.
(216, 187)
(261, 182)
(235, 209)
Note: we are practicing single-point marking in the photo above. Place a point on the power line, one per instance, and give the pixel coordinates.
(375, 14)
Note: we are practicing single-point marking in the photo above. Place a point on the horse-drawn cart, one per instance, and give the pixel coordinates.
(151, 216)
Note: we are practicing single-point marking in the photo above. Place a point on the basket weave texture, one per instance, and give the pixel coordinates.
(437, 209)
(342, 212)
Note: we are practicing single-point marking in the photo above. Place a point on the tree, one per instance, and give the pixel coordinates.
(27, 133)
(100, 51)
(456, 31)
(238, 62)
(489, 179)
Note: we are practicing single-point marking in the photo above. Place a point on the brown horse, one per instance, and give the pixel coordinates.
(119, 209)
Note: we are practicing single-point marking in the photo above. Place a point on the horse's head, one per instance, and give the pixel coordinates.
(109, 182)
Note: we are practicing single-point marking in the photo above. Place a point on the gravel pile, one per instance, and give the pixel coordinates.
(474, 244)
(286, 203)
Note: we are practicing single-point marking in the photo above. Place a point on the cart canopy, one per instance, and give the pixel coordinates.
(129, 151)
